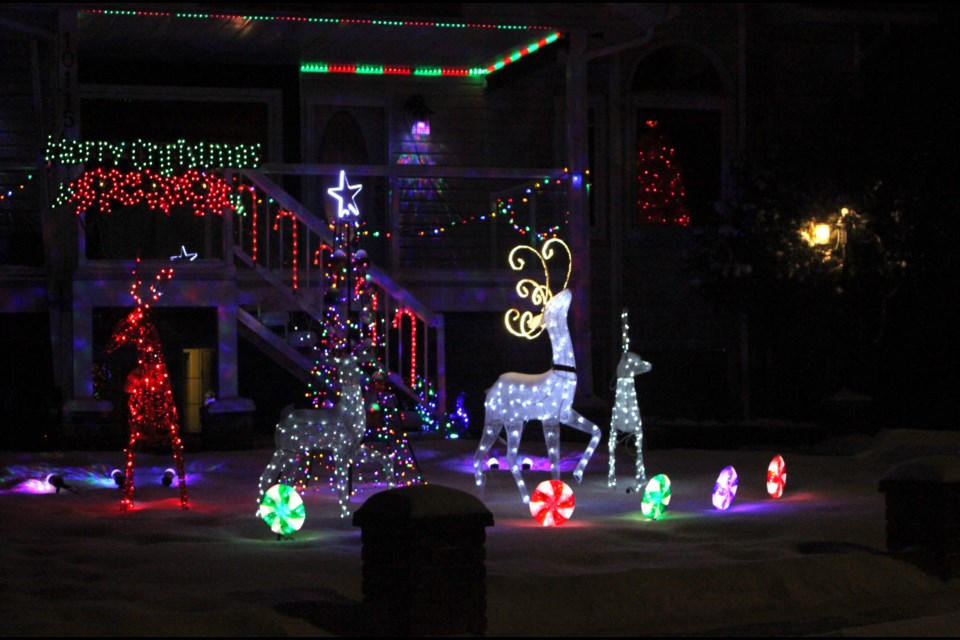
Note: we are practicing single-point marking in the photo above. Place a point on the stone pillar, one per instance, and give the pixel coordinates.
(424, 570)
(923, 513)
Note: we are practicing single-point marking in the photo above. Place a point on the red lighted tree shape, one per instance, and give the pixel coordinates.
(660, 192)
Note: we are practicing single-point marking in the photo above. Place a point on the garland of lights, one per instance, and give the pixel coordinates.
(516, 399)
(20, 187)
(153, 414)
(625, 417)
(142, 155)
(506, 207)
(201, 191)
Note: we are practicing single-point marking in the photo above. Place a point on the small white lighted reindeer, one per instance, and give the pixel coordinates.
(626, 412)
(517, 398)
(339, 429)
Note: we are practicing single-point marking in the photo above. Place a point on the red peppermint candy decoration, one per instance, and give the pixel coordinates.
(552, 503)
(776, 477)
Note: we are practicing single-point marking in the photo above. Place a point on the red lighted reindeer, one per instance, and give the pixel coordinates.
(153, 415)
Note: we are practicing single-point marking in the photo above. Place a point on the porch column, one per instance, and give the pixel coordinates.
(227, 350)
(577, 162)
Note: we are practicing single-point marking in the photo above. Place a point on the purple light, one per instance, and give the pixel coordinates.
(421, 128)
(725, 489)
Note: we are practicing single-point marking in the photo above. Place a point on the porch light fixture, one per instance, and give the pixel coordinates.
(419, 114)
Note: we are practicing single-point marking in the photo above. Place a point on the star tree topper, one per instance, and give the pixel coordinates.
(346, 197)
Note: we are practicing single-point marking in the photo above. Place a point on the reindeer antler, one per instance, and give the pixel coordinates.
(526, 324)
(155, 289)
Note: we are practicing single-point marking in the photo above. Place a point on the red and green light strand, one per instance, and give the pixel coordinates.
(313, 20)
(429, 70)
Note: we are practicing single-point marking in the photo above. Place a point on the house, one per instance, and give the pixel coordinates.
(447, 115)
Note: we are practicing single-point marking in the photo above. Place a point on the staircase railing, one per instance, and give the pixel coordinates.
(279, 240)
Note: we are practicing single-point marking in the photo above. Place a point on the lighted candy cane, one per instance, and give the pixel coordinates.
(283, 213)
(517, 398)
(776, 477)
(397, 317)
(254, 215)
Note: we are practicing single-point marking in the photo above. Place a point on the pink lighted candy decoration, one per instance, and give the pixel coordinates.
(552, 503)
(725, 489)
(776, 477)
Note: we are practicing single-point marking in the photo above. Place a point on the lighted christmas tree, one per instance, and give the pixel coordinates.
(660, 192)
(349, 319)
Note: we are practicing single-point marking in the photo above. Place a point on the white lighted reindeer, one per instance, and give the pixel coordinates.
(626, 411)
(339, 429)
(517, 398)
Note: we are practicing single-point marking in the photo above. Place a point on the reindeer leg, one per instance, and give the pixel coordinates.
(389, 470)
(513, 447)
(126, 502)
(181, 472)
(551, 434)
(343, 481)
(490, 433)
(641, 470)
(612, 466)
(582, 424)
(270, 475)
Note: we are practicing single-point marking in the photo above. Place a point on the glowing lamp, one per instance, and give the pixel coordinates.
(493, 463)
(656, 497)
(552, 503)
(282, 509)
(821, 234)
(526, 464)
(421, 128)
(725, 489)
(776, 477)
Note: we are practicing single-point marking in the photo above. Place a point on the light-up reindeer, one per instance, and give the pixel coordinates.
(517, 398)
(339, 429)
(153, 414)
(626, 411)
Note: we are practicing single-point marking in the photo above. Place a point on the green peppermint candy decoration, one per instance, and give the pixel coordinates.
(656, 497)
(282, 509)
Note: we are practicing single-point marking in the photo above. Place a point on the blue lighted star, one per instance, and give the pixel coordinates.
(344, 192)
(184, 254)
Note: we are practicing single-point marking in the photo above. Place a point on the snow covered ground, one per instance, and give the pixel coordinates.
(812, 563)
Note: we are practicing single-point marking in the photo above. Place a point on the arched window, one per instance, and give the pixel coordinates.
(679, 119)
